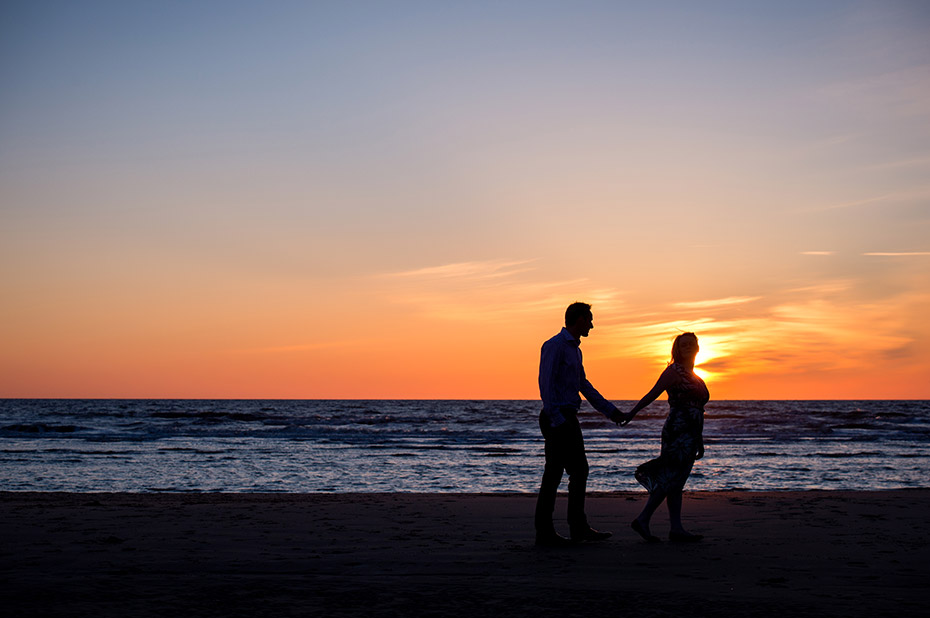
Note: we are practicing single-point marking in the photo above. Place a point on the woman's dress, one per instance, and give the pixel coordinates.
(681, 435)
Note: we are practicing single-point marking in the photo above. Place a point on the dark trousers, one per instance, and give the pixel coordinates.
(564, 451)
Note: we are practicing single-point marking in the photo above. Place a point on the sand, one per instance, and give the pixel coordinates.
(766, 554)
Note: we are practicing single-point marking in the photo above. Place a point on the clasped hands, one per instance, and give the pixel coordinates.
(622, 418)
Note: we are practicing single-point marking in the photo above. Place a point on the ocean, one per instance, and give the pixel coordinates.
(440, 446)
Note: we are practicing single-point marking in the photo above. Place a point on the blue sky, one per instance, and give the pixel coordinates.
(172, 163)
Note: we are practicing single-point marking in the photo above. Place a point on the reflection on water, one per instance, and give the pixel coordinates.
(440, 446)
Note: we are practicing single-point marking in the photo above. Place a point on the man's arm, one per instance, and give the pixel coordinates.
(548, 365)
(597, 400)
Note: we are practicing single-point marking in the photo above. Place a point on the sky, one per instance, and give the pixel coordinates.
(399, 199)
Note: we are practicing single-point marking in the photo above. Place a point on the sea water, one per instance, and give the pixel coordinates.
(441, 446)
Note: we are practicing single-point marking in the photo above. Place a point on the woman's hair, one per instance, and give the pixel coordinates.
(677, 352)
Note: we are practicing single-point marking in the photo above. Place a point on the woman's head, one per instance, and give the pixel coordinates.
(685, 348)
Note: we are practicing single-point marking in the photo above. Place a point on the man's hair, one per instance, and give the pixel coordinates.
(575, 311)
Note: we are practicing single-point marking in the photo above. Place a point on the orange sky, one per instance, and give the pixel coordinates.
(316, 202)
(465, 331)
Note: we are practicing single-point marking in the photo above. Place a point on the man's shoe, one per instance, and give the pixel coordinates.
(589, 535)
(684, 537)
(551, 539)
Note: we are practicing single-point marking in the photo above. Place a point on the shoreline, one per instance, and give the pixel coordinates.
(562, 491)
(563, 494)
(811, 552)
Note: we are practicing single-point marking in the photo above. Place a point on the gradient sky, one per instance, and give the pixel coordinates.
(398, 199)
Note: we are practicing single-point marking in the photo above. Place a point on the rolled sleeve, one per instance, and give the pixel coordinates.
(597, 400)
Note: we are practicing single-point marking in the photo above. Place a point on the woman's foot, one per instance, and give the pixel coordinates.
(680, 536)
(643, 531)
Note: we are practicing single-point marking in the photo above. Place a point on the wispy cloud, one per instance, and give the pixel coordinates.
(303, 347)
(865, 202)
(897, 197)
(812, 329)
(897, 254)
(492, 291)
(903, 91)
(718, 302)
(818, 252)
(493, 304)
(826, 288)
(489, 269)
(902, 163)
(835, 140)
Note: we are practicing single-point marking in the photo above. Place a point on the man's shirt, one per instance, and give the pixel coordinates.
(561, 378)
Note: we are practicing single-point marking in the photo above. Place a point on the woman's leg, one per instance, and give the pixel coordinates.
(655, 499)
(677, 531)
(674, 497)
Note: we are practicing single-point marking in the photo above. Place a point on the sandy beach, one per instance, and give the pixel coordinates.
(766, 554)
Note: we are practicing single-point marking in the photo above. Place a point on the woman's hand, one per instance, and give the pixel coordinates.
(622, 418)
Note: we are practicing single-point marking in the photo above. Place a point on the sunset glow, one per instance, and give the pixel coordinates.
(400, 200)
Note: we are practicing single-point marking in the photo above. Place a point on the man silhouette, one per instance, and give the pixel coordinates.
(561, 378)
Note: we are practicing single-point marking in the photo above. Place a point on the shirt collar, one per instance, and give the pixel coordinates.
(570, 338)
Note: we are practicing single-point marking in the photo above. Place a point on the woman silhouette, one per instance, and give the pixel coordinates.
(682, 439)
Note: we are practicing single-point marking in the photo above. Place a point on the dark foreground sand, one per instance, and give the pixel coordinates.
(766, 554)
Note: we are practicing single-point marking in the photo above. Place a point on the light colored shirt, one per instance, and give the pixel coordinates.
(562, 377)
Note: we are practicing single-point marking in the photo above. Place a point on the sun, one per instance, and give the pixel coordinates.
(707, 352)
(707, 364)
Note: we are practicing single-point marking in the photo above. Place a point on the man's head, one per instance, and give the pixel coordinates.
(578, 319)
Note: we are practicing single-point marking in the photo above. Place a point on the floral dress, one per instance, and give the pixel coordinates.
(681, 434)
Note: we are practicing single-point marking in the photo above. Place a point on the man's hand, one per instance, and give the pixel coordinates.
(700, 451)
(621, 418)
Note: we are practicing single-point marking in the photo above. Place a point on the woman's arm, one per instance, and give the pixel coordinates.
(700, 437)
(668, 378)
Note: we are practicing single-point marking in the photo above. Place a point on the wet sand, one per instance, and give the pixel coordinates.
(765, 554)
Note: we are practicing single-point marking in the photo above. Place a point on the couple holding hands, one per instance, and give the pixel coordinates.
(561, 379)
